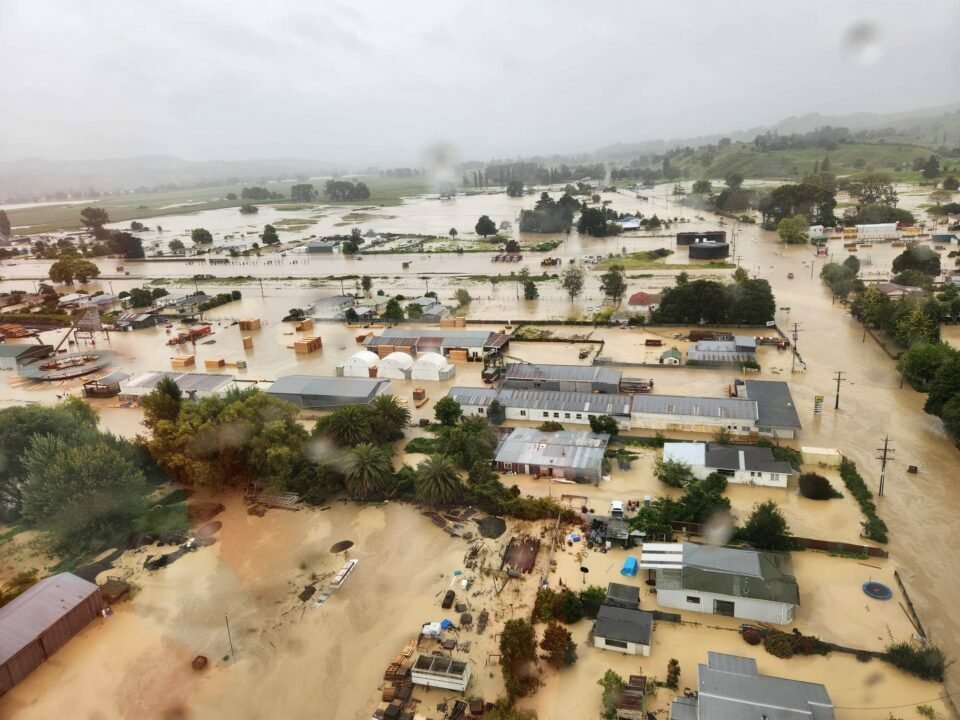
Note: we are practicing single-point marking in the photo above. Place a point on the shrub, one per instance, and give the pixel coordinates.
(817, 487)
(751, 636)
(427, 446)
(873, 527)
(550, 426)
(779, 645)
(924, 661)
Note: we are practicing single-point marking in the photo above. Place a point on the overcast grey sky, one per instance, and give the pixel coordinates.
(378, 81)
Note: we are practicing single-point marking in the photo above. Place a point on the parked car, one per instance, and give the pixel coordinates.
(448, 600)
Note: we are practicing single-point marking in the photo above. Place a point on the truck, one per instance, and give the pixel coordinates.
(616, 509)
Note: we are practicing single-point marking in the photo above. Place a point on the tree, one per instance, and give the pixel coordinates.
(388, 418)
(931, 168)
(462, 296)
(350, 247)
(518, 647)
(249, 209)
(201, 236)
(515, 188)
(368, 472)
(530, 291)
(95, 218)
(270, 236)
(66, 270)
(393, 311)
(750, 302)
(951, 418)
(447, 411)
(572, 281)
(452, 232)
(231, 196)
(176, 246)
(817, 487)
(598, 222)
(123, 243)
(673, 472)
(938, 198)
(612, 685)
(414, 312)
(4, 224)
(950, 183)
(852, 263)
(919, 257)
(162, 403)
(512, 246)
(702, 187)
(438, 482)
(559, 645)
(794, 230)
(613, 283)
(766, 528)
(366, 282)
(944, 385)
(875, 189)
(673, 674)
(303, 193)
(349, 425)
(485, 226)
(604, 424)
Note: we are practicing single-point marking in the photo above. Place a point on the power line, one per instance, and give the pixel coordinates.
(894, 707)
(887, 453)
(840, 379)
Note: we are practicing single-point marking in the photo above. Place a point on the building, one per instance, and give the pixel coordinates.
(831, 457)
(441, 672)
(12, 357)
(644, 302)
(893, 291)
(325, 247)
(432, 366)
(671, 357)
(730, 686)
(746, 584)
(565, 378)
(312, 392)
(776, 411)
(42, 620)
(329, 308)
(193, 385)
(746, 464)
(137, 321)
(361, 364)
(623, 596)
(625, 630)
(884, 231)
(739, 351)
(568, 454)
(424, 301)
(414, 341)
(708, 250)
(574, 408)
(632, 699)
(106, 386)
(396, 366)
(699, 236)
(434, 313)
(693, 414)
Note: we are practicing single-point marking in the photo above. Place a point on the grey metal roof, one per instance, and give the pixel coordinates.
(626, 594)
(775, 406)
(731, 355)
(625, 625)
(562, 449)
(737, 573)
(731, 688)
(454, 338)
(575, 373)
(356, 389)
(15, 351)
(748, 457)
(551, 400)
(114, 378)
(684, 708)
(204, 382)
(474, 396)
(735, 408)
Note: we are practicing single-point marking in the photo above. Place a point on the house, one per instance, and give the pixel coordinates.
(744, 464)
(13, 357)
(894, 291)
(569, 454)
(629, 222)
(440, 671)
(644, 302)
(361, 364)
(320, 246)
(472, 343)
(830, 457)
(746, 584)
(102, 301)
(42, 620)
(72, 299)
(193, 385)
(671, 357)
(624, 596)
(424, 301)
(432, 366)
(312, 392)
(878, 230)
(137, 321)
(731, 686)
(625, 630)
(632, 699)
(434, 313)
(567, 378)
(330, 308)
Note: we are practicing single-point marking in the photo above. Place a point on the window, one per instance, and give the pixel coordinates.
(614, 643)
(693, 599)
(579, 416)
(556, 415)
(523, 412)
(566, 416)
(546, 414)
(480, 411)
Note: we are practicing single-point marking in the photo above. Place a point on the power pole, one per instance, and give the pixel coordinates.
(229, 636)
(886, 453)
(840, 378)
(795, 335)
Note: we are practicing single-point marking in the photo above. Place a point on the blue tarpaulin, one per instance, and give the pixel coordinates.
(447, 624)
(630, 567)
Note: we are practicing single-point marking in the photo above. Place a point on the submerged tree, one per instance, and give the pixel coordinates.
(438, 481)
(369, 471)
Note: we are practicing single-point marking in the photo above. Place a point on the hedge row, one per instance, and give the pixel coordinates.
(873, 527)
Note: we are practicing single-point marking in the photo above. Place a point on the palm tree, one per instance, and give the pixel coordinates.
(349, 425)
(390, 417)
(438, 481)
(369, 472)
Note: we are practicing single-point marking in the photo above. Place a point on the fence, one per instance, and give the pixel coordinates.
(691, 528)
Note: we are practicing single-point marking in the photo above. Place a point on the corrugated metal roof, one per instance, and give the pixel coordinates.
(15, 351)
(775, 406)
(627, 594)
(732, 663)
(563, 449)
(747, 457)
(205, 382)
(735, 408)
(739, 573)
(575, 373)
(446, 338)
(684, 708)
(690, 453)
(552, 400)
(360, 389)
(624, 624)
(26, 617)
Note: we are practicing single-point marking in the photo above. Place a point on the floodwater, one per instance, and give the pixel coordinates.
(921, 509)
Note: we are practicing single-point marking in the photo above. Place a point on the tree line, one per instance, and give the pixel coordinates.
(746, 301)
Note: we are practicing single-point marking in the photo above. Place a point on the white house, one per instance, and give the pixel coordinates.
(625, 630)
(746, 584)
(395, 366)
(360, 364)
(747, 464)
(432, 366)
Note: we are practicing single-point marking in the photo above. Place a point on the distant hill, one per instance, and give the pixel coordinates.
(33, 176)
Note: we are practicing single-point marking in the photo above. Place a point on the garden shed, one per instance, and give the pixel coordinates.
(395, 366)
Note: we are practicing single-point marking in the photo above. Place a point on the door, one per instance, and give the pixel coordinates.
(723, 607)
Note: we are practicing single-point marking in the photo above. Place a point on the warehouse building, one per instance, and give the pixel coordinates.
(747, 464)
(42, 620)
(539, 405)
(312, 392)
(193, 385)
(471, 343)
(363, 364)
(730, 686)
(566, 378)
(432, 366)
(396, 366)
(776, 411)
(568, 454)
(745, 584)
(741, 350)
(12, 357)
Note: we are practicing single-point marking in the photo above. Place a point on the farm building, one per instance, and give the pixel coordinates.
(473, 343)
(745, 584)
(42, 620)
(432, 366)
(361, 364)
(671, 357)
(566, 378)
(625, 630)
(708, 250)
(644, 302)
(441, 672)
(396, 366)
(12, 357)
(325, 247)
(196, 385)
(699, 236)
(878, 230)
(742, 349)
(568, 454)
(538, 405)
(747, 464)
(730, 686)
(312, 392)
